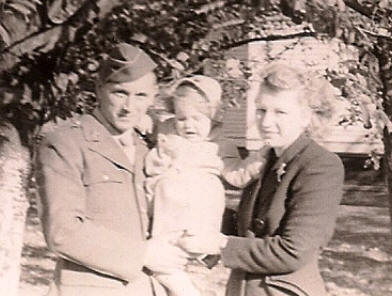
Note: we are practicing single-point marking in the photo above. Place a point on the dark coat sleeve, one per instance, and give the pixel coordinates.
(69, 232)
(307, 224)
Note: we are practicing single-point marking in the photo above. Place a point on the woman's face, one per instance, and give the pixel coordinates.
(281, 118)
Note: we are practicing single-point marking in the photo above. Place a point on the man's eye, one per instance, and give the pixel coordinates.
(141, 94)
(260, 112)
(281, 112)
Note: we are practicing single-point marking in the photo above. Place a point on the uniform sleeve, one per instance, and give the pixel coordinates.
(69, 232)
(307, 225)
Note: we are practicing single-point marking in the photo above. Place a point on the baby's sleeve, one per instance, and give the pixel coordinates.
(240, 172)
(156, 163)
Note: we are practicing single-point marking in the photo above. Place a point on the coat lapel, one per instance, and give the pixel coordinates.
(101, 141)
(248, 200)
(139, 177)
(274, 178)
(260, 195)
(246, 207)
(292, 151)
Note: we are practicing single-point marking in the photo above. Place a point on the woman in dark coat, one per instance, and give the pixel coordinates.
(288, 214)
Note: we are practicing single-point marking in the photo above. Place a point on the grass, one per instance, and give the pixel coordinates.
(357, 261)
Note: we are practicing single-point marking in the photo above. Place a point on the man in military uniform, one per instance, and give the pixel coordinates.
(91, 186)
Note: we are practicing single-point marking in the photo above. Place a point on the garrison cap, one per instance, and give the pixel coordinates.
(125, 63)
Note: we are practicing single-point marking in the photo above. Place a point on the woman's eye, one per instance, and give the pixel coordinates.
(120, 94)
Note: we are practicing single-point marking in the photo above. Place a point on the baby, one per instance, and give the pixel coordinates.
(184, 170)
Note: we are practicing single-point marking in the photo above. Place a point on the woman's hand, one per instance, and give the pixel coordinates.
(205, 243)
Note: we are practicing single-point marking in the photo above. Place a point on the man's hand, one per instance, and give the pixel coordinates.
(162, 255)
(206, 243)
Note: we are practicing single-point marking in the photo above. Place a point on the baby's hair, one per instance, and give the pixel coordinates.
(182, 90)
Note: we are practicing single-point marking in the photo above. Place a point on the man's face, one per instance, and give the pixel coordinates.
(124, 104)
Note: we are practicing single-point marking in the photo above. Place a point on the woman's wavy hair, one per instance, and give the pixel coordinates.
(315, 92)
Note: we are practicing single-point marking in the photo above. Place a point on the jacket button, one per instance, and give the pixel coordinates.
(258, 224)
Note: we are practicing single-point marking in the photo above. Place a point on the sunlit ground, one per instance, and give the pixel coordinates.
(357, 262)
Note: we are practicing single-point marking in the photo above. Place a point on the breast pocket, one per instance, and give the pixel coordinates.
(96, 177)
(105, 189)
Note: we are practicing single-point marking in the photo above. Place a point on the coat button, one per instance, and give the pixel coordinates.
(106, 177)
(258, 224)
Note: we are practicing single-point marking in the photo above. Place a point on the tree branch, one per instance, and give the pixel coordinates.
(271, 38)
(355, 5)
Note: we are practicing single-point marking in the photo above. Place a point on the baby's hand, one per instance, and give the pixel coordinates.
(171, 145)
(206, 243)
(255, 168)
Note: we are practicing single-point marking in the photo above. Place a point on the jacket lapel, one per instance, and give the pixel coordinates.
(245, 211)
(260, 195)
(292, 151)
(101, 141)
(274, 178)
(247, 203)
(139, 177)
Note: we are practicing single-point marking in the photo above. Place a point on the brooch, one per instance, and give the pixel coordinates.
(280, 172)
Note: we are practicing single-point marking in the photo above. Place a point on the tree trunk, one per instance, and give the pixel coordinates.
(388, 167)
(14, 167)
(383, 53)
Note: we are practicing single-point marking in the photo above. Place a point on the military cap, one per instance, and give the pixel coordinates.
(125, 63)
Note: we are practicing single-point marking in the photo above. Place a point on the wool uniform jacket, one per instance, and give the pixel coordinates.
(283, 222)
(94, 211)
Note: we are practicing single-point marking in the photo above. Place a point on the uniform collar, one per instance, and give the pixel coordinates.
(96, 129)
(100, 140)
(102, 120)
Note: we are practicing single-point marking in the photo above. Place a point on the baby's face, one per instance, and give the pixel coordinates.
(191, 123)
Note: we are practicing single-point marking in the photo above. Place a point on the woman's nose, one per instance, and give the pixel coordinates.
(267, 119)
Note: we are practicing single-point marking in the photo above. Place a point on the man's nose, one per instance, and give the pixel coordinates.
(128, 103)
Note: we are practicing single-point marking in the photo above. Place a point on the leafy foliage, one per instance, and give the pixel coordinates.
(49, 60)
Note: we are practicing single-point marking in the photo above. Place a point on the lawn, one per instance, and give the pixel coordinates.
(357, 262)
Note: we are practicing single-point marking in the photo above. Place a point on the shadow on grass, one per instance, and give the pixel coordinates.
(352, 270)
(36, 275)
(37, 253)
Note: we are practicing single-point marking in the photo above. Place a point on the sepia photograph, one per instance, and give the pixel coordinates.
(195, 147)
